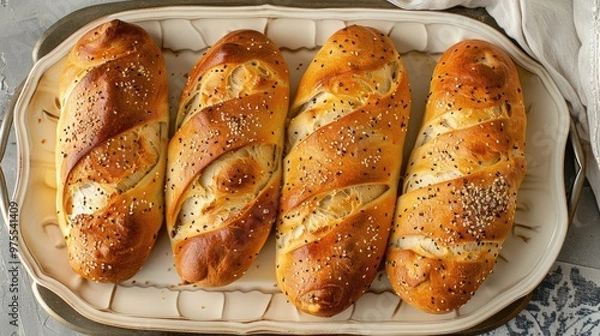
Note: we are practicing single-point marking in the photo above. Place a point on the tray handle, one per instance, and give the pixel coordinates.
(5, 129)
(574, 193)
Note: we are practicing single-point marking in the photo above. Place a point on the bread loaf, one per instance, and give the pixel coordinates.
(460, 190)
(345, 136)
(224, 164)
(111, 150)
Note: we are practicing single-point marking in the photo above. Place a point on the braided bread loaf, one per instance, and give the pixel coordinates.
(345, 137)
(111, 150)
(224, 165)
(460, 189)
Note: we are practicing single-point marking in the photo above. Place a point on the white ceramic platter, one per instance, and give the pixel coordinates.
(153, 299)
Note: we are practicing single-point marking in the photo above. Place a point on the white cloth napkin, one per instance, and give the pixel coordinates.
(564, 36)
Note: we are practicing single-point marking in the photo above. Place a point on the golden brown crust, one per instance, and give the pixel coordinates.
(224, 168)
(222, 256)
(461, 183)
(111, 150)
(341, 171)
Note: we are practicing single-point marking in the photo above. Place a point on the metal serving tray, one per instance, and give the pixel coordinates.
(65, 313)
